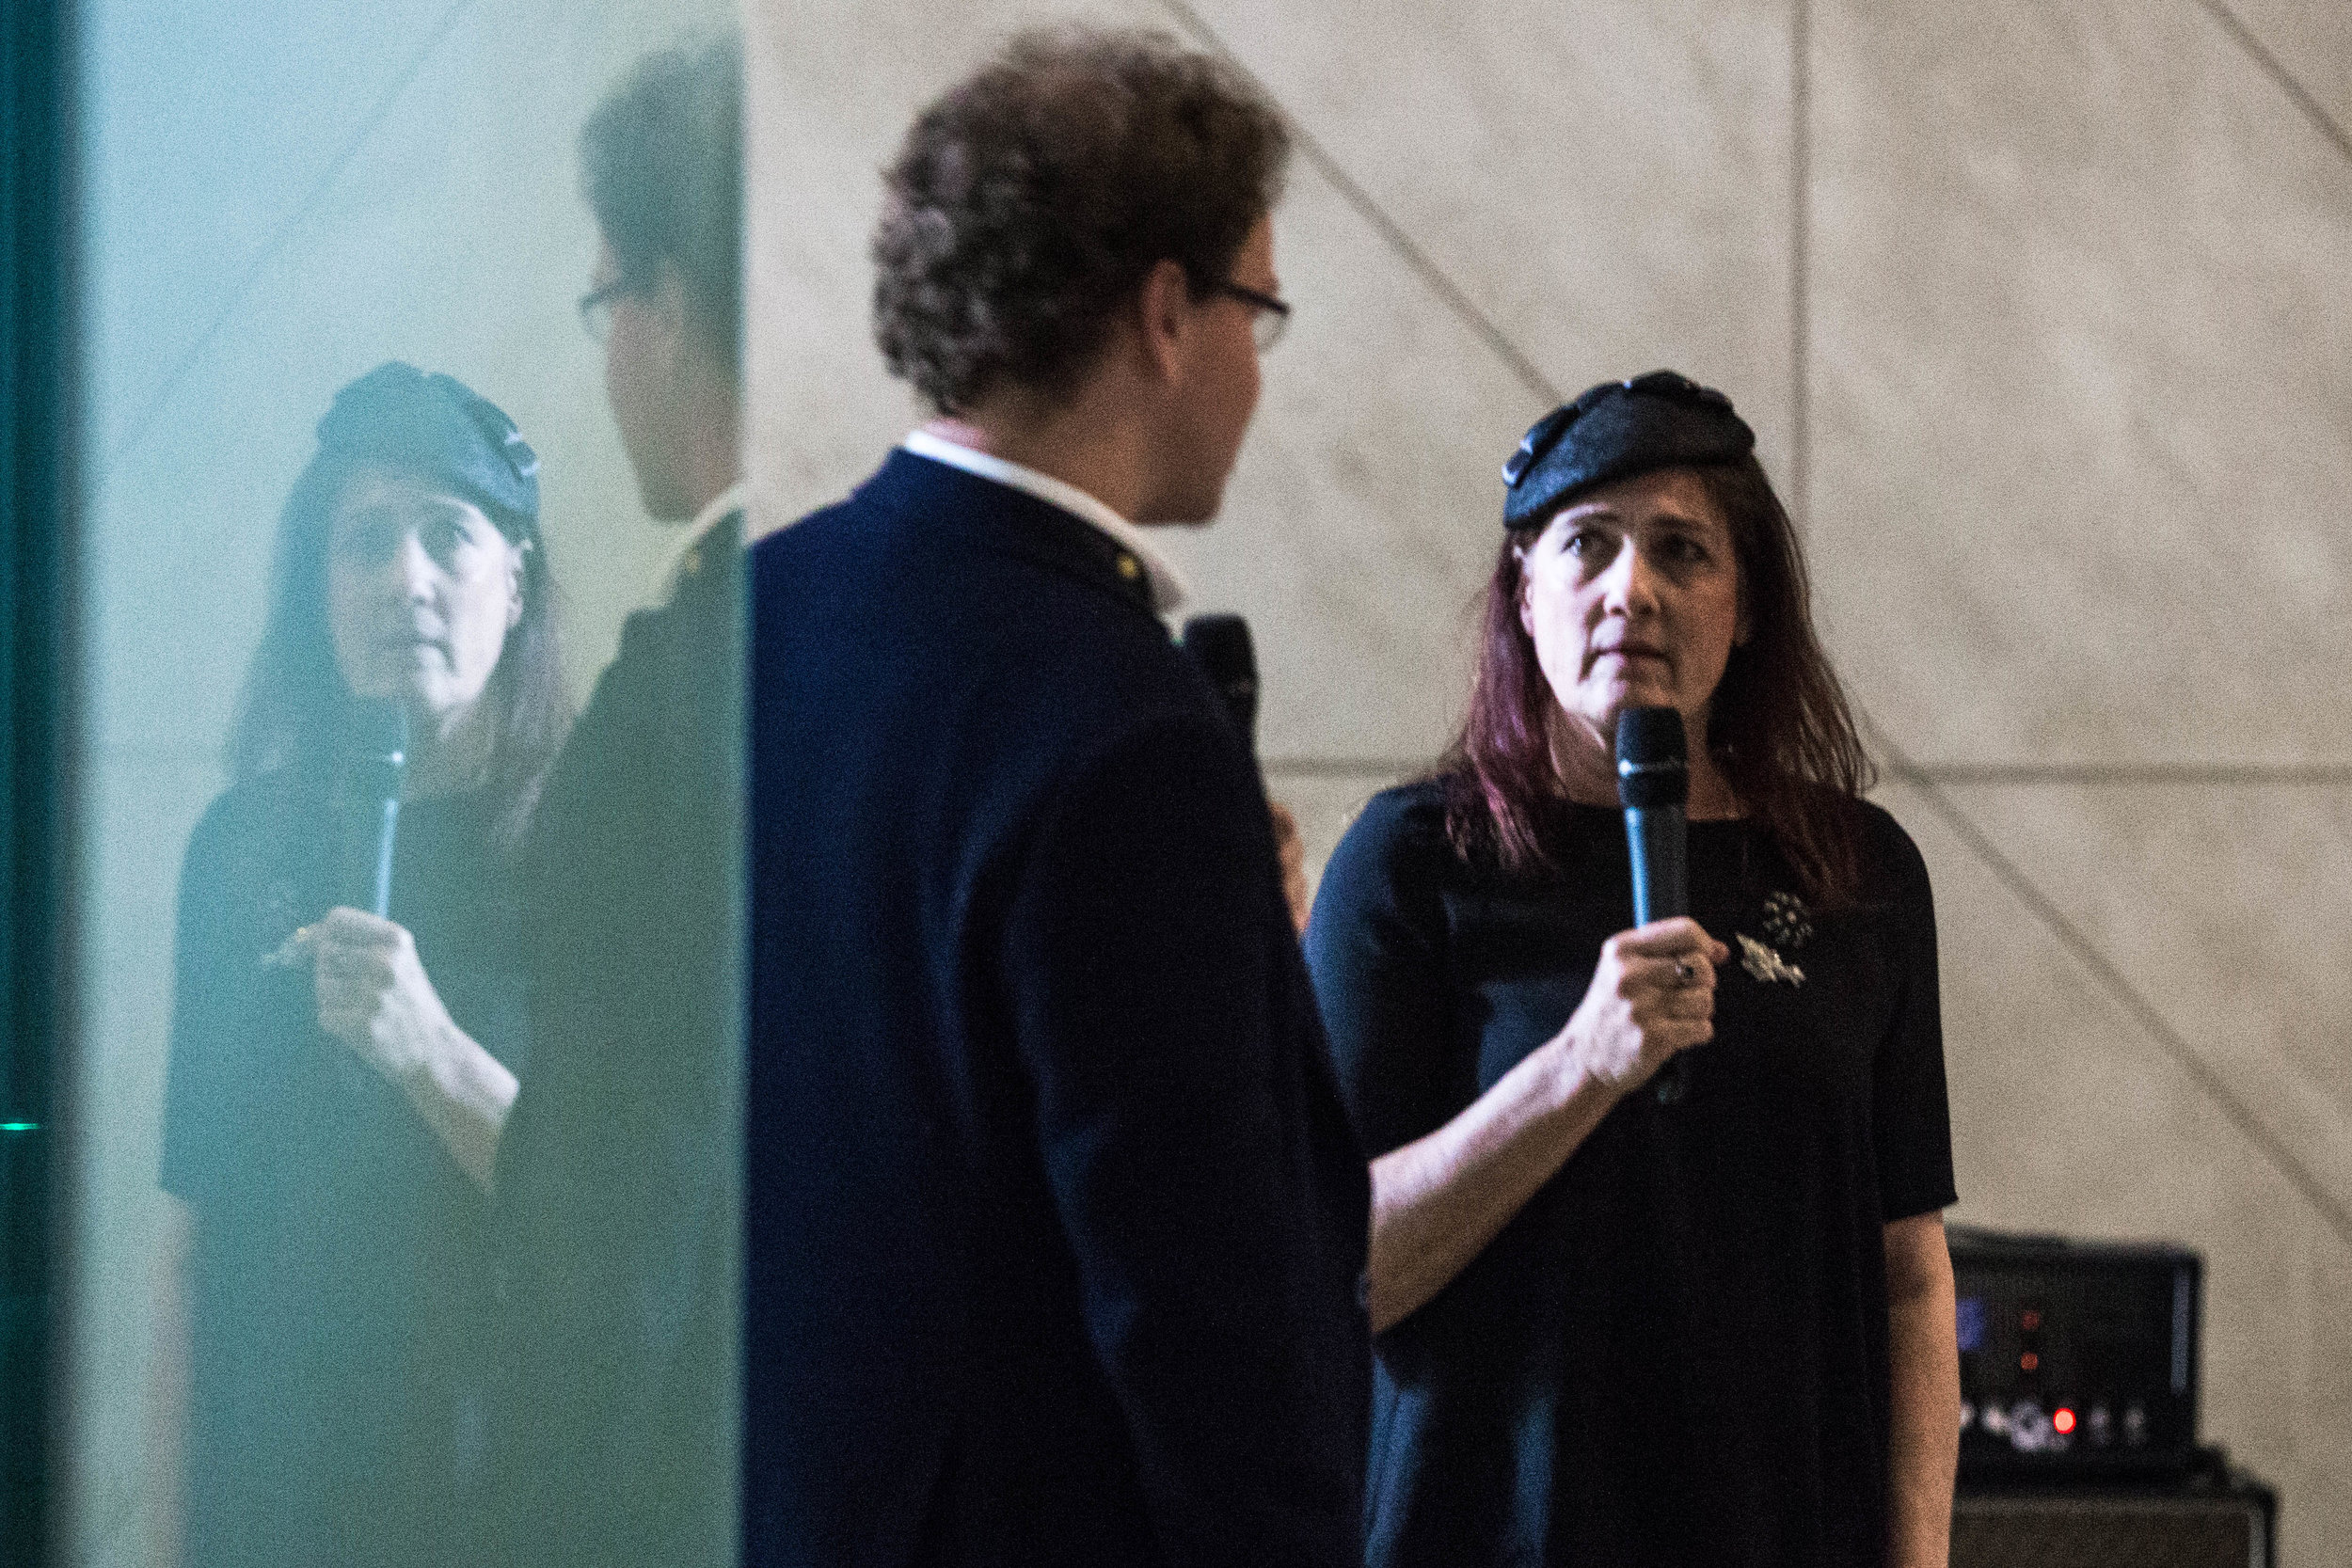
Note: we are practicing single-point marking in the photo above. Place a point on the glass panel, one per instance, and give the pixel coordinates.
(346, 1242)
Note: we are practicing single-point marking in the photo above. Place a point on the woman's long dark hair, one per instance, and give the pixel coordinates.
(293, 708)
(1779, 727)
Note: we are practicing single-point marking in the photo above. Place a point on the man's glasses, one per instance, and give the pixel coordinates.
(596, 307)
(1268, 315)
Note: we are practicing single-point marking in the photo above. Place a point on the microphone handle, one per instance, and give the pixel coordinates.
(381, 884)
(1660, 840)
(370, 824)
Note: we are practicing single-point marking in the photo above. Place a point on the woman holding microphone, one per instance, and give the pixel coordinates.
(1618, 1322)
(338, 1080)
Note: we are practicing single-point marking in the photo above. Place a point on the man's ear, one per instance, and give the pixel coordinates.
(1164, 319)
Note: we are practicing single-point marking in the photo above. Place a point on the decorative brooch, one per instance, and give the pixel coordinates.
(1788, 926)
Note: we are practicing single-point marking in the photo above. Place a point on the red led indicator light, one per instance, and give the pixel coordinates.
(2029, 1321)
(2029, 1361)
(2064, 1422)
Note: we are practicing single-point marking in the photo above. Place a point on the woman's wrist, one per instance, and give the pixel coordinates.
(1575, 1085)
(431, 1070)
(463, 1093)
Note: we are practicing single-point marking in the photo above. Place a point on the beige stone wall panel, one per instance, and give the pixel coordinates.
(2080, 369)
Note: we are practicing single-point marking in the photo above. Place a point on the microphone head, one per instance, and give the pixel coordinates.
(1221, 645)
(1653, 761)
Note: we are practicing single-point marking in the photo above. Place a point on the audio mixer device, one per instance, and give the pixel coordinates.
(2077, 1359)
(2079, 1383)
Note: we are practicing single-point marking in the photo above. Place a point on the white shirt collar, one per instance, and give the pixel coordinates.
(1168, 591)
(735, 498)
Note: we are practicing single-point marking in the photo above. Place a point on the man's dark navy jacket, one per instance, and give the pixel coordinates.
(616, 1190)
(1054, 1222)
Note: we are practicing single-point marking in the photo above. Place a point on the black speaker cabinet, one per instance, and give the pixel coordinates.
(2231, 1523)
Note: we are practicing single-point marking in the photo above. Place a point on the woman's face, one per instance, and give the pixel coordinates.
(1631, 594)
(422, 590)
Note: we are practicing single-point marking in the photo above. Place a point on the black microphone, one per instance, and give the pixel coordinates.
(374, 761)
(1221, 645)
(1654, 784)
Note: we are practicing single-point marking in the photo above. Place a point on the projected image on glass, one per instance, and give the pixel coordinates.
(368, 516)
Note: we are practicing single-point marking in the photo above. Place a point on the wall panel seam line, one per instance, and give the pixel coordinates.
(2120, 990)
(376, 115)
(2206, 776)
(1392, 233)
(2047, 775)
(2288, 82)
(1341, 767)
(1800, 262)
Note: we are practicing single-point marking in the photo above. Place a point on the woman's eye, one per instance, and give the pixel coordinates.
(1684, 550)
(440, 537)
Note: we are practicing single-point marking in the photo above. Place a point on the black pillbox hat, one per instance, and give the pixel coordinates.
(1615, 430)
(438, 428)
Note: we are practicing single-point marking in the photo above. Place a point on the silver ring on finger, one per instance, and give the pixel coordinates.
(1686, 973)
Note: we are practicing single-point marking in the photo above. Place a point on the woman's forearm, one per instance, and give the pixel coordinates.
(464, 1094)
(1438, 1201)
(1925, 1354)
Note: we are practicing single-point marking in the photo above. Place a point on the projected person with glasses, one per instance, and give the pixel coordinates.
(1053, 1221)
(1616, 1326)
(617, 1188)
(338, 1081)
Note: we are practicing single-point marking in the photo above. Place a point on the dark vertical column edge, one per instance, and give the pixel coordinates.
(37, 492)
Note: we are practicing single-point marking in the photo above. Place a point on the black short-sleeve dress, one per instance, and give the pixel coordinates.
(1677, 1352)
(339, 1286)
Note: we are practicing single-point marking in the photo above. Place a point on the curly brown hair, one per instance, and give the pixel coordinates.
(1779, 725)
(1027, 203)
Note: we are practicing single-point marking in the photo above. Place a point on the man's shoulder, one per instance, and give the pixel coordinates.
(918, 529)
(817, 529)
(697, 621)
(906, 610)
(708, 571)
(658, 711)
(947, 563)
(880, 495)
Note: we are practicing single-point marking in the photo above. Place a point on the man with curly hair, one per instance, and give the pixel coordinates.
(1055, 1223)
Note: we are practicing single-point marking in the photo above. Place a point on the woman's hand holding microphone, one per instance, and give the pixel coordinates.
(375, 996)
(1652, 995)
(1439, 1199)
